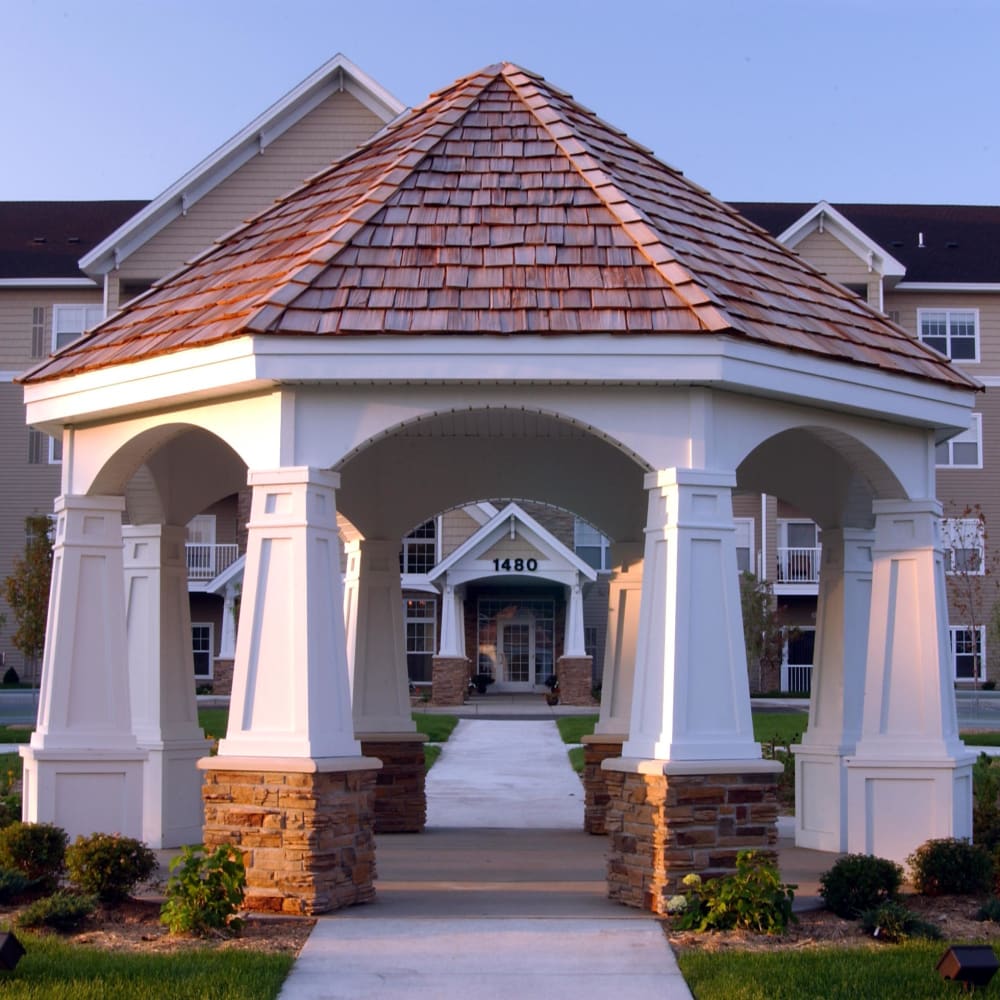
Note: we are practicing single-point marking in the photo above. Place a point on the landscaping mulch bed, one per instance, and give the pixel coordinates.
(954, 915)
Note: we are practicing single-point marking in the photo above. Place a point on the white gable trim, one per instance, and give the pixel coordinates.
(336, 75)
(48, 283)
(823, 217)
(465, 563)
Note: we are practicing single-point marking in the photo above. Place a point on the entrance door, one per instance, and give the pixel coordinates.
(516, 642)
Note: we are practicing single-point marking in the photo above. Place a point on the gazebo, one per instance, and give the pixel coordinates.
(499, 295)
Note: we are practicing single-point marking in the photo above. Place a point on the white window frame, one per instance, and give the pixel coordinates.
(949, 317)
(420, 619)
(410, 540)
(973, 435)
(959, 533)
(55, 451)
(952, 631)
(211, 649)
(746, 526)
(70, 320)
(586, 536)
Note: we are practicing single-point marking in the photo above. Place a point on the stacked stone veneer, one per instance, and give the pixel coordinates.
(663, 826)
(449, 680)
(306, 833)
(400, 794)
(596, 750)
(576, 684)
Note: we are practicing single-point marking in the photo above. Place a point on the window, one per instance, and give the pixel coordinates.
(963, 539)
(967, 646)
(744, 544)
(68, 322)
(590, 545)
(202, 647)
(419, 551)
(953, 332)
(42, 449)
(421, 629)
(963, 451)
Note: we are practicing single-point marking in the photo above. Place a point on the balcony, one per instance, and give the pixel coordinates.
(205, 562)
(799, 566)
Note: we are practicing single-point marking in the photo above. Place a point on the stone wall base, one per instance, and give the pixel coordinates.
(400, 795)
(306, 835)
(663, 826)
(596, 750)
(222, 677)
(576, 682)
(449, 680)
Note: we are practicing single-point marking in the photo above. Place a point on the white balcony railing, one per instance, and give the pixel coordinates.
(798, 565)
(205, 562)
(796, 677)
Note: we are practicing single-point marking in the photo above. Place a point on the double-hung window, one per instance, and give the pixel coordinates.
(590, 545)
(421, 628)
(953, 332)
(69, 322)
(968, 649)
(965, 450)
(964, 542)
(419, 551)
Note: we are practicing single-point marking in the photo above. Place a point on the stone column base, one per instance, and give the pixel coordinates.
(305, 828)
(669, 818)
(400, 795)
(597, 749)
(449, 680)
(576, 681)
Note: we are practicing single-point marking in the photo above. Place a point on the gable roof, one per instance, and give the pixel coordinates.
(339, 73)
(44, 239)
(958, 244)
(501, 206)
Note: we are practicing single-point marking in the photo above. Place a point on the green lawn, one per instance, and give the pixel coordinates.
(888, 972)
(53, 969)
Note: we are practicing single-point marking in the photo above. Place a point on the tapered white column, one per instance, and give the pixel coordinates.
(83, 767)
(574, 639)
(910, 778)
(624, 593)
(375, 622)
(691, 699)
(161, 683)
(227, 634)
(291, 690)
(452, 622)
(838, 679)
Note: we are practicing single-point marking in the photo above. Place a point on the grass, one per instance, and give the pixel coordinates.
(437, 729)
(900, 972)
(56, 970)
(572, 728)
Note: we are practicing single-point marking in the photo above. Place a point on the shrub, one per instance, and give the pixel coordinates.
(204, 891)
(62, 911)
(753, 898)
(36, 849)
(10, 810)
(12, 885)
(859, 882)
(986, 802)
(10, 676)
(109, 866)
(990, 910)
(950, 867)
(893, 922)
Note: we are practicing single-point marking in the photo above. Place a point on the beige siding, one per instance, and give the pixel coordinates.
(16, 310)
(334, 128)
(456, 527)
(829, 255)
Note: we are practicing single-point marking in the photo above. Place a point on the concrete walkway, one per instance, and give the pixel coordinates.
(502, 896)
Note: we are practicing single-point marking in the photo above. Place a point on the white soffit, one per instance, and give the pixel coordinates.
(823, 217)
(339, 73)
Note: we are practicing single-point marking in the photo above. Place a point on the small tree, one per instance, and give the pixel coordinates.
(27, 589)
(762, 629)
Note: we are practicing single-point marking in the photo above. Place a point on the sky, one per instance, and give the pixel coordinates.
(756, 100)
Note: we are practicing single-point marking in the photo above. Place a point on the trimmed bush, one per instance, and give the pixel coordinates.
(949, 867)
(986, 802)
(109, 866)
(61, 911)
(205, 891)
(990, 910)
(10, 676)
(12, 885)
(38, 850)
(859, 882)
(893, 922)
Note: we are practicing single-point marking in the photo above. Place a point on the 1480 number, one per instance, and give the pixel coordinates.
(515, 565)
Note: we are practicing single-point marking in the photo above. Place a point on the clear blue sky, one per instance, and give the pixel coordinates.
(794, 100)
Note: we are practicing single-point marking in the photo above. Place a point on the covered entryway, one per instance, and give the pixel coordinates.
(500, 274)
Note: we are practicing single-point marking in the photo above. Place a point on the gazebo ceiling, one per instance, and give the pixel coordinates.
(500, 207)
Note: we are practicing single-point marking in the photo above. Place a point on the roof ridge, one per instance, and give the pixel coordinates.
(635, 224)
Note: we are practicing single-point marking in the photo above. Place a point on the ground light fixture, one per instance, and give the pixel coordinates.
(11, 951)
(970, 964)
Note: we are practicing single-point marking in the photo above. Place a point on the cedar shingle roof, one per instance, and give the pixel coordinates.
(501, 206)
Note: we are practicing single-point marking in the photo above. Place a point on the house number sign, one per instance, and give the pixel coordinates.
(515, 565)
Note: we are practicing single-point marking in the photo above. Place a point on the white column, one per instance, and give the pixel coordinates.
(83, 767)
(838, 679)
(227, 634)
(624, 593)
(161, 683)
(291, 690)
(910, 778)
(574, 641)
(691, 698)
(381, 692)
(452, 622)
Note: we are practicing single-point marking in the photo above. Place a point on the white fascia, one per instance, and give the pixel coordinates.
(947, 286)
(251, 364)
(338, 74)
(48, 283)
(856, 240)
